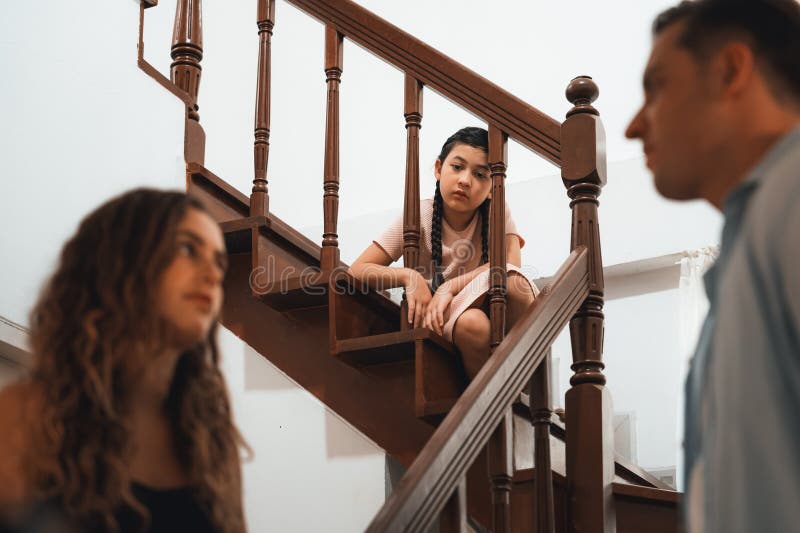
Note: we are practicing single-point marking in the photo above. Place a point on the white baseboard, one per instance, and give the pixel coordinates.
(14, 345)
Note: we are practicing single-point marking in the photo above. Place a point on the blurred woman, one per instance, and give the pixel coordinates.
(124, 422)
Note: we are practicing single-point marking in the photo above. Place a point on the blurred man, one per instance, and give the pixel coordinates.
(721, 121)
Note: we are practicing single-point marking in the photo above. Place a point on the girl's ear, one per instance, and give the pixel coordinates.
(437, 169)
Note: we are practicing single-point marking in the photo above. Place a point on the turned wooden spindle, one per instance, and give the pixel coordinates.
(498, 277)
(330, 201)
(541, 413)
(259, 197)
(590, 459)
(501, 471)
(187, 51)
(411, 216)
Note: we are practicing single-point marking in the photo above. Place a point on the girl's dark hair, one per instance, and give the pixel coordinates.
(93, 330)
(478, 138)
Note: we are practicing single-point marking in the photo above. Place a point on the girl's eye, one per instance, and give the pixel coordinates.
(481, 175)
(457, 167)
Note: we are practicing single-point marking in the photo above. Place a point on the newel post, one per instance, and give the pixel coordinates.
(590, 447)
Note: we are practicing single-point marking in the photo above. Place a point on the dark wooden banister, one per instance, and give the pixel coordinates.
(518, 119)
(577, 146)
(436, 474)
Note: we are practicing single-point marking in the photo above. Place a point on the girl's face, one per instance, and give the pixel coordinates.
(189, 293)
(464, 178)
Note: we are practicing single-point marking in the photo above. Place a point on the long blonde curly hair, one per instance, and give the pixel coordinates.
(93, 329)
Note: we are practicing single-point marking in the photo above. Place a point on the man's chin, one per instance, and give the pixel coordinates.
(672, 189)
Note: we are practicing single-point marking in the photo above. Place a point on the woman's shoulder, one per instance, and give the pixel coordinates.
(16, 402)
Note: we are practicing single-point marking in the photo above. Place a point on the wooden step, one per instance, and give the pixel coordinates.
(239, 233)
(439, 379)
(306, 290)
(638, 509)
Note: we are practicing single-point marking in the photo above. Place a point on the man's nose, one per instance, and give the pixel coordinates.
(636, 126)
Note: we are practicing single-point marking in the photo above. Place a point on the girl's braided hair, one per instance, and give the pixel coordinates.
(478, 138)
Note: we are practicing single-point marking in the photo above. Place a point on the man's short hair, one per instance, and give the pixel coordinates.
(770, 27)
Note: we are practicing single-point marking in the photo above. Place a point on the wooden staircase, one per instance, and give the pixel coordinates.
(294, 302)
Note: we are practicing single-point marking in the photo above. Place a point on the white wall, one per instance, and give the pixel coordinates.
(311, 471)
(643, 370)
(80, 123)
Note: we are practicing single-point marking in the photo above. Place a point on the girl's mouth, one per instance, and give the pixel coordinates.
(460, 195)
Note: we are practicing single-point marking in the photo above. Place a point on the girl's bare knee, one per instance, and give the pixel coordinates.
(472, 324)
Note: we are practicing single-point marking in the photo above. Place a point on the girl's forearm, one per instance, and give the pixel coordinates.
(381, 277)
(454, 285)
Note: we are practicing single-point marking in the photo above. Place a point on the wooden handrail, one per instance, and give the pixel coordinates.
(518, 119)
(440, 467)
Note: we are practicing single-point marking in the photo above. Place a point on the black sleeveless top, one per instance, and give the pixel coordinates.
(171, 510)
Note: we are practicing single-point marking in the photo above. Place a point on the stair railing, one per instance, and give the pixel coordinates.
(577, 146)
(435, 481)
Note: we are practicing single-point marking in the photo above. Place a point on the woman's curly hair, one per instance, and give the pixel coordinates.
(93, 329)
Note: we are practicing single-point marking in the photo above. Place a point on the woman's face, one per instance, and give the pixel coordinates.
(464, 178)
(189, 294)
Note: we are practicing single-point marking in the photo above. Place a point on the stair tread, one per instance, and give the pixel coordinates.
(347, 349)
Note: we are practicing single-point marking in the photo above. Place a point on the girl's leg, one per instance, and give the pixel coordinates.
(519, 297)
(471, 336)
(472, 328)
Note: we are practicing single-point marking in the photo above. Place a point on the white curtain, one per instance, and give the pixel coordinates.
(693, 309)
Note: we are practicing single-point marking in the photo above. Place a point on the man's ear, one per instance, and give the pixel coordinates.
(437, 169)
(735, 67)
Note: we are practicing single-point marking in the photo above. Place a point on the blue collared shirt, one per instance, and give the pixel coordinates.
(742, 433)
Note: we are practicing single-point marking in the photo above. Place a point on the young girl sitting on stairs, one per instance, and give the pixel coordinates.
(447, 293)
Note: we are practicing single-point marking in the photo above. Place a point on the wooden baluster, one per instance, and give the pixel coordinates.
(498, 156)
(590, 458)
(501, 470)
(500, 453)
(411, 221)
(454, 515)
(187, 51)
(330, 202)
(259, 197)
(540, 418)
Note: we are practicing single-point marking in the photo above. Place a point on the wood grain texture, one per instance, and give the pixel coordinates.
(259, 197)
(187, 51)
(330, 199)
(498, 277)
(589, 446)
(541, 413)
(411, 214)
(430, 481)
